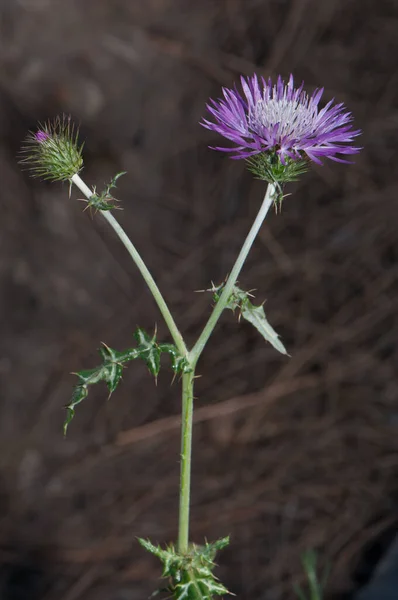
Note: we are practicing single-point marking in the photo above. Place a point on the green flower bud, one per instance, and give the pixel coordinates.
(53, 151)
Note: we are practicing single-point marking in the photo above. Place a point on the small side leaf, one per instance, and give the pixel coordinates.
(113, 361)
(156, 550)
(209, 550)
(105, 200)
(80, 392)
(179, 364)
(239, 299)
(148, 350)
(114, 367)
(256, 316)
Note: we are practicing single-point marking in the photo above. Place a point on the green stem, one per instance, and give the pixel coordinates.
(193, 356)
(175, 334)
(236, 269)
(185, 468)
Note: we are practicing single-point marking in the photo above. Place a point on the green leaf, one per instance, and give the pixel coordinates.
(114, 367)
(148, 350)
(239, 299)
(256, 316)
(113, 361)
(191, 574)
(80, 392)
(315, 586)
(156, 550)
(105, 200)
(179, 364)
(209, 550)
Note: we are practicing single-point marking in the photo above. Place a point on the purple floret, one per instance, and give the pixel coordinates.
(41, 136)
(279, 118)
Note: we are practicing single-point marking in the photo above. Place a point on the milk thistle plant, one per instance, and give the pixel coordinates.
(279, 131)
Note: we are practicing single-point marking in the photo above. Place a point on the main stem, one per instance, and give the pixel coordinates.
(185, 466)
(188, 378)
(131, 249)
(231, 281)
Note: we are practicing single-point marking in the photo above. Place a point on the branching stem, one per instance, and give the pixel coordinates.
(233, 276)
(131, 249)
(193, 356)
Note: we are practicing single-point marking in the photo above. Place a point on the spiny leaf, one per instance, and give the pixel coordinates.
(80, 392)
(114, 363)
(111, 369)
(239, 299)
(149, 350)
(210, 550)
(191, 574)
(156, 550)
(179, 363)
(198, 588)
(256, 316)
(105, 200)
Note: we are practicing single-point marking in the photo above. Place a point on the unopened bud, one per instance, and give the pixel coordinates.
(53, 151)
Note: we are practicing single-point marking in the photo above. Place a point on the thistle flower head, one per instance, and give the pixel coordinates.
(278, 125)
(53, 151)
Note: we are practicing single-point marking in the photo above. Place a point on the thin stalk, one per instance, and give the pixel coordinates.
(236, 269)
(131, 249)
(185, 467)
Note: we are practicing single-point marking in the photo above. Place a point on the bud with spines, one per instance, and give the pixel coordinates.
(53, 151)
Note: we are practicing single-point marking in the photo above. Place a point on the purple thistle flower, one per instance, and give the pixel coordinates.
(281, 120)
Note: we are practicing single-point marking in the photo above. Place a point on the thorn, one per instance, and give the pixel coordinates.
(213, 289)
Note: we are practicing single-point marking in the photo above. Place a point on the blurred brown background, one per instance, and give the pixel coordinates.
(289, 454)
